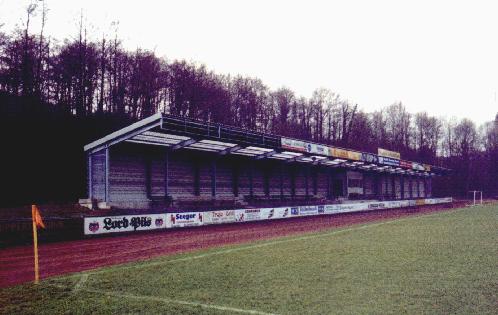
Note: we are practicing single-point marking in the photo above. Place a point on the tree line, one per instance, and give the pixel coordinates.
(84, 79)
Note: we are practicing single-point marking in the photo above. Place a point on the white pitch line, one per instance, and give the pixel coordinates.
(169, 300)
(83, 279)
(271, 243)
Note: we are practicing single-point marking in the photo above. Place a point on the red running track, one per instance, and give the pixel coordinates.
(16, 263)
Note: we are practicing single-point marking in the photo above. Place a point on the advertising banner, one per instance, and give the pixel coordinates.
(355, 156)
(417, 166)
(339, 153)
(244, 215)
(292, 144)
(369, 158)
(438, 200)
(420, 202)
(127, 223)
(308, 210)
(376, 205)
(275, 213)
(387, 153)
(405, 164)
(185, 219)
(317, 149)
(345, 207)
(221, 216)
(388, 161)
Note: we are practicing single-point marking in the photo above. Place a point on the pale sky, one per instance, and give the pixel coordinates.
(434, 56)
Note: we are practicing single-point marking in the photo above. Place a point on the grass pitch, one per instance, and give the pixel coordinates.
(439, 263)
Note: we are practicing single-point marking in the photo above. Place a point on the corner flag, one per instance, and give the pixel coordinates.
(37, 222)
(37, 219)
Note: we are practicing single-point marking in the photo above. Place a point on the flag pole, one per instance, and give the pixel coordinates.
(35, 244)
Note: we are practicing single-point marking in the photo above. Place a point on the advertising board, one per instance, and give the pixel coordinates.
(127, 223)
(275, 213)
(308, 210)
(292, 144)
(417, 166)
(420, 202)
(317, 149)
(243, 215)
(405, 164)
(185, 219)
(355, 156)
(339, 153)
(388, 161)
(369, 158)
(387, 153)
(345, 207)
(221, 216)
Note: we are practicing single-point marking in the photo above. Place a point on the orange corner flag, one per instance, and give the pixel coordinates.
(37, 222)
(37, 219)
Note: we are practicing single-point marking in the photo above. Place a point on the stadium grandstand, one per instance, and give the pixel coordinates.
(171, 163)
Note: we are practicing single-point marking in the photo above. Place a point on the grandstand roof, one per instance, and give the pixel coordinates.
(183, 133)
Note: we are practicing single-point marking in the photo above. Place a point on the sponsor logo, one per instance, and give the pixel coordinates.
(286, 212)
(321, 209)
(135, 222)
(295, 211)
(239, 217)
(93, 226)
(271, 214)
(252, 214)
(185, 216)
(376, 205)
(369, 158)
(308, 210)
(388, 161)
(159, 222)
(387, 153)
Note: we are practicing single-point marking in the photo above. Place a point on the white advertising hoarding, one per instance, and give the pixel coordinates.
(130, 223)
(126, 223)
(220, 216)
(185, 219)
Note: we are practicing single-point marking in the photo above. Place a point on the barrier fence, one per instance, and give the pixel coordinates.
(130, 223)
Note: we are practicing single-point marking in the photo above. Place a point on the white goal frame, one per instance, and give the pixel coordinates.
(479, 200)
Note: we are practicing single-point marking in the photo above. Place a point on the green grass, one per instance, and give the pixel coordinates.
(438, 264)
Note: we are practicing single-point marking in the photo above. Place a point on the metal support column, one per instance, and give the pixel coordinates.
(306, 175)
(166, 175)
(197, 190)
(213, 178)
(148, 177)
(376, 185)
(251, 174)
(329, 184)
(402, 184)
(266, 180)
(387, 185)
(429, 182)
(90, 192)
(363, 184)
(418, 187)
(235, 180)
(281, 181)
(410, 186)
(107, 164)
(293, 182)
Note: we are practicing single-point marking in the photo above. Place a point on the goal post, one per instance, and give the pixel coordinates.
(476, 197)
